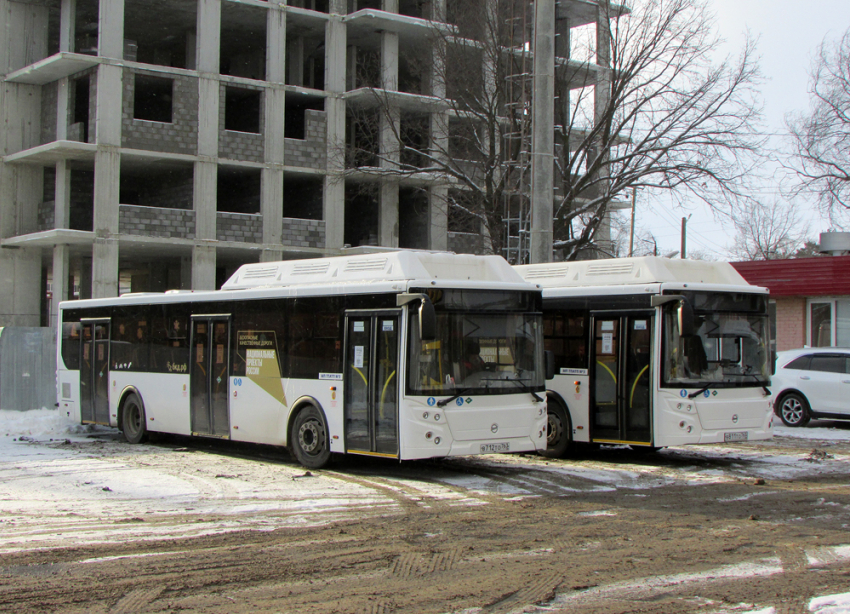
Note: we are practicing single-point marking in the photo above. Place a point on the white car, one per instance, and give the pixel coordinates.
(812, 383)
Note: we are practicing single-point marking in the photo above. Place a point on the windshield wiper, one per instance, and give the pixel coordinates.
(693, 395)
(764, 387)
(519, 383)
(460, 392)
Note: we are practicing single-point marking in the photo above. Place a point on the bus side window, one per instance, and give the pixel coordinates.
(71, 345)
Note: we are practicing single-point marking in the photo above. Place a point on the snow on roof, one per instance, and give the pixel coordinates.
(442, 267)
(644, 270)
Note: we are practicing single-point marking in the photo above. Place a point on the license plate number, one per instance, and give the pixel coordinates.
(735, 436)
(495, 447)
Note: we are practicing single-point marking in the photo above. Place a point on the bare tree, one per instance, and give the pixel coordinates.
(664, 117)
(768, 231)
(821, 137)
(657, 114)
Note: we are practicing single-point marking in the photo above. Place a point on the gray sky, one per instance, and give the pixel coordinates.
(788, 32)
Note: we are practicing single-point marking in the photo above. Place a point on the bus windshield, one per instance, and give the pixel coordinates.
(729, 347)
(477, 353)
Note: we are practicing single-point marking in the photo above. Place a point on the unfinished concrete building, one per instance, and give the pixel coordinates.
(160, 144)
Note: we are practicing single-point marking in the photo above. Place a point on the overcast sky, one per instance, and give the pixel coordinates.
(788, 32)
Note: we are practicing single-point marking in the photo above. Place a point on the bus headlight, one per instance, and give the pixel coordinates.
(428, 435)
(437, 440)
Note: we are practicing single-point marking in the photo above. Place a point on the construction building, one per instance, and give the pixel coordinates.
(160, 144)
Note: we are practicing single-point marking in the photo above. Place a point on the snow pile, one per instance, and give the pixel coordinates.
(831, 604)
(40, 425)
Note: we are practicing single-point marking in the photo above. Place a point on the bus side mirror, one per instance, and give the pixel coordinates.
(686, 319)
(549, 360)
(427, 314)
(427, 320)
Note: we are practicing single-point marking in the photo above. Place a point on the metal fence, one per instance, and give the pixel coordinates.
(27, 368)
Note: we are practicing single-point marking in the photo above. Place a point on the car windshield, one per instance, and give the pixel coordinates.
(728, 348)
(478, 353)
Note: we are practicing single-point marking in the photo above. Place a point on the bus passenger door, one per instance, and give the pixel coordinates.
(621, 355)
(94, 371)
(371, 383)
(210, 375)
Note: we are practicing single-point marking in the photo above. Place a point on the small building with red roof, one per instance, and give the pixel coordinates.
(809, 297)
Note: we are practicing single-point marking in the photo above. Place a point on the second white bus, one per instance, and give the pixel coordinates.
(653, 352)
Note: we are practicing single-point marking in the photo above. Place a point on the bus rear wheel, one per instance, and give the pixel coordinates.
(559, 432)
(309, 438)
(133, 419)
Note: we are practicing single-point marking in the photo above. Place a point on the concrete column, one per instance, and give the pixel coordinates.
(203, 267)
(601, 97)
(274, 113)
(60, 290)
(438, 228)
(205, 195)
(111, 29)
(391, 6)
(104, 267)
(276, 45)
(67, 24)
(271, 203)
(335, 83)
(209, 35)
(62, 196)
(543, 136)
(389, 61)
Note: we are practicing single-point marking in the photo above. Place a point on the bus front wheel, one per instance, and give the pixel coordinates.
(133, 419)
(559, 432)
(309, 438)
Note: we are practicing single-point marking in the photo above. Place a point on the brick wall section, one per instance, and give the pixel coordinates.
(46, 215)
(245, 146)
(303, 233)
(790, 323)
(464, 243)
(241, 227)
(49, 94)
(312, 151)
(156, 222)
(179, 136)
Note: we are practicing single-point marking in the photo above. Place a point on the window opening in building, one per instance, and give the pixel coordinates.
(243, 41)
(361, 214)
(238, 190)
(165, 36)
(153, 98)
(413, 219)
(79, 129)
(296, 107)
(302, 197)
(87, 14)
(242, 109)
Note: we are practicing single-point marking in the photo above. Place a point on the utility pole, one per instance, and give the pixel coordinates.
(632, 226)
(684, 235)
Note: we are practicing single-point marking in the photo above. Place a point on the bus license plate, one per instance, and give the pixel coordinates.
(495, 447)
(727, 437)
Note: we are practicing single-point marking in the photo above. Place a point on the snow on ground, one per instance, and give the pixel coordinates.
(65, 482)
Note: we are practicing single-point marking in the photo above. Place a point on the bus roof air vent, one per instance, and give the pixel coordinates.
(310, 268)
(260, 273)
(547, 273)
(610, 268)
(372, 264)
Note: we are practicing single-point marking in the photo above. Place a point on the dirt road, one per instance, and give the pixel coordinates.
(218, 528)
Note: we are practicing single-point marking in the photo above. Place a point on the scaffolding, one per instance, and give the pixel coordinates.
(518, 93)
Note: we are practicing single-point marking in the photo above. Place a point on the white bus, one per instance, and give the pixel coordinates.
(653, 352)
(365, 354)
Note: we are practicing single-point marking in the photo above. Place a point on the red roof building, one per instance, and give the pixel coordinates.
(810, 299)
